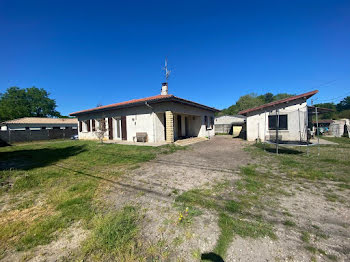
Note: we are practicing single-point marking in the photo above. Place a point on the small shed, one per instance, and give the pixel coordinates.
(229, 124)
(339, 128)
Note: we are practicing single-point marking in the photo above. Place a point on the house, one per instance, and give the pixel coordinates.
(340, 128)
(37, 123)
(286, 119)
(229, 124)
(161, 118)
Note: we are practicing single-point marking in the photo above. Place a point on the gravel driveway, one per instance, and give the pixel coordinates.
(155, 185)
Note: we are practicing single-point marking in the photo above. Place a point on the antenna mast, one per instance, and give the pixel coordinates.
(167, 72)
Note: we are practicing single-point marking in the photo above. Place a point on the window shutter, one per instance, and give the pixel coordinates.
(80, 126)
(88, 126)
(93, 125)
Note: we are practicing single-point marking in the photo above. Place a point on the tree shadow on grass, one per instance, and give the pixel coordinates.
(212, 257)
(281, 149)
(34, 158)
(286, 151)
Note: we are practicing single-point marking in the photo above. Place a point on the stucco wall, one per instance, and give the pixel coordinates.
(140, 123)
(149, 118)
(229, 120)
(257, 123)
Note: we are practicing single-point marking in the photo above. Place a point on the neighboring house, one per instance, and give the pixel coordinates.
(293, 114)
(340, 128)
(162, 117)
(37, 123)
(229, 124)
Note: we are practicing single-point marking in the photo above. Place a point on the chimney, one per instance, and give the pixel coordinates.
(164, 90)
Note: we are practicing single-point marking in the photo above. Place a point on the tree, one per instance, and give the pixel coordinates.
(29, 102)
(282, 96)
(252, 100)
(329, 115)
(101, 129)
(249, 101)
(344, 104)
(344, 114)
(268, 97)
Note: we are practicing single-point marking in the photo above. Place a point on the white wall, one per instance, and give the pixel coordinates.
(140, 123)
(257, 123)
(229, 120)
(159, 127)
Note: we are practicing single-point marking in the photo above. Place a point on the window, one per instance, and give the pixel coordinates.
(80, 126)
(283, 123)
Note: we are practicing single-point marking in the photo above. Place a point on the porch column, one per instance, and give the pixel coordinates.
(169, 126)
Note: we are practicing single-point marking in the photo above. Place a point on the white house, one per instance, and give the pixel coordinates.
(162, 117)
(293, 116)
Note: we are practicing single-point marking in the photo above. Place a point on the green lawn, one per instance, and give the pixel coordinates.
(50, 186)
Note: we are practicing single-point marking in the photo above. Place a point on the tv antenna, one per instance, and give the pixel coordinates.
(167, 72)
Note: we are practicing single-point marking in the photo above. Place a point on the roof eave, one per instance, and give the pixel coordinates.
(119, 106)
(166, 99)
(276, 103)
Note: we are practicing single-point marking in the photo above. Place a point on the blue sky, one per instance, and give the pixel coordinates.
(90, 52)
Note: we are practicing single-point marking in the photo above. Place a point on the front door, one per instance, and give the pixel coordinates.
(179, 127)
(110, 128)
(124, 135)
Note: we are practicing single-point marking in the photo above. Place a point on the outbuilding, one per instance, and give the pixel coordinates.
(160, 118)
(286, 119)
(229, 124)
(39, 123)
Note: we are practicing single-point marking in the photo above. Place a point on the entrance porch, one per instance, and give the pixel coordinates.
(173, 126)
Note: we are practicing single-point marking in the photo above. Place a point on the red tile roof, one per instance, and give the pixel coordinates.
(150, 99)
(275, 103)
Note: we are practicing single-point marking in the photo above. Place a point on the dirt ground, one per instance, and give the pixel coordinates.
(155, 185)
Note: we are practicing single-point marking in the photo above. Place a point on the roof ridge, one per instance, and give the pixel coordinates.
(138, 100)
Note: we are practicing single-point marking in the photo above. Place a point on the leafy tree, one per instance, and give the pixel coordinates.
(344, 104)
(344, 114)
(248, 101)
(268, 97)
(330, 115)
(282, 96)
(29, 102)
(252, 100)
